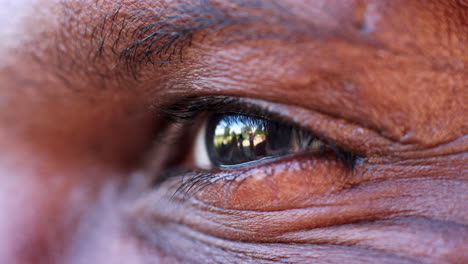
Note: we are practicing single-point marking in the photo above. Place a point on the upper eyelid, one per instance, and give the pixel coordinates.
(188, 108)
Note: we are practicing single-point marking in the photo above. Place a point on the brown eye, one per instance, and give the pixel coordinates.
(238, 139)
(269, 160)
(233, 139)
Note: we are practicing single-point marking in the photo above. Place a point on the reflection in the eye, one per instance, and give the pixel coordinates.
(237, 139)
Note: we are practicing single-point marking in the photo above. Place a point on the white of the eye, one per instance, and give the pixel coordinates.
(200, 153)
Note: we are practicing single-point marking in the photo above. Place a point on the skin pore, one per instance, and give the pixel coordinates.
(83, 85)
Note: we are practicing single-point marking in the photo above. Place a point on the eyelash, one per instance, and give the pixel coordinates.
(182, 114)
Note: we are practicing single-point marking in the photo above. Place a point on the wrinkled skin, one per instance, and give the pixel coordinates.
(386, 79)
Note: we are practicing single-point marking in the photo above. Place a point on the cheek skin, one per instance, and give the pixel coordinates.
(36, 208)
(385, 216)
(70, 213)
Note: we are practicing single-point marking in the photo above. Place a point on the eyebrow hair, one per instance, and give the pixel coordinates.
(164, 32)
(157, 33)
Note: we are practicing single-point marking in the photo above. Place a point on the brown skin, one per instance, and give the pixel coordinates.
(385, 79)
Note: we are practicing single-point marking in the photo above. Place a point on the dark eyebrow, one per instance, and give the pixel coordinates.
(157, 33)
(162, 33)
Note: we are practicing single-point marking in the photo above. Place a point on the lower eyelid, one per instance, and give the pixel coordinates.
(289, 182)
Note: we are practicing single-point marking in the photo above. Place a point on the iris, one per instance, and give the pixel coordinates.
(236, 139)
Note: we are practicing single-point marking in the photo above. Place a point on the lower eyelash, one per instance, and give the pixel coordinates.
(193, 181)
(197, 182)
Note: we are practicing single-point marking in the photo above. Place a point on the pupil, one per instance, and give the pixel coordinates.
(234, 139)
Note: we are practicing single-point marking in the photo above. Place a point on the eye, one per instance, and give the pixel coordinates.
(232, 140)
(248, 144)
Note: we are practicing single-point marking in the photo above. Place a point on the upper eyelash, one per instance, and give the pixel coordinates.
(187, 108)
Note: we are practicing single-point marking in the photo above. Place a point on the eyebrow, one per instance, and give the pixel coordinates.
(157, 33)
(162, 33)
